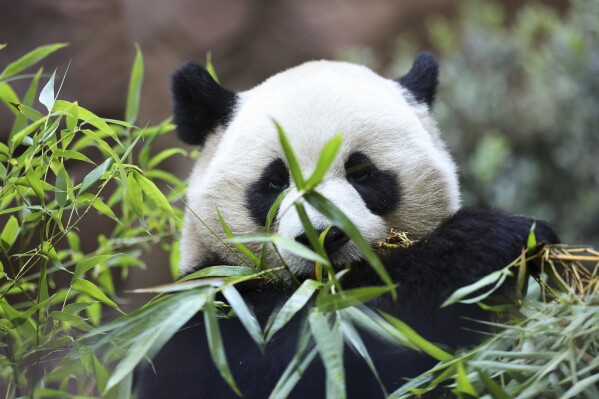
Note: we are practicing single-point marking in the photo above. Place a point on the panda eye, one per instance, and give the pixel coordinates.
(278, 182)
(359, 172)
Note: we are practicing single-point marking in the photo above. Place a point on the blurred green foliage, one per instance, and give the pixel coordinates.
(519, 108)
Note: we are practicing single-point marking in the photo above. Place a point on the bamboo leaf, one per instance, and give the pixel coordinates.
(294, 168)
(417, 339)
(328, 209)
(9, 233)
(327, 156)
(35, 183)
(497, 278)
(215, 344)
(89, 263)
(282, 242)
(165, 154)
(95, 175)
(29, 59)
(581, 386)
(210, 67)
(245, 314)
(347, 298)
(180, 308)
(135, 82)
(292, 374)
(244, 250)
(330, 352)
(21, 121)
(47, 94)
(294, 304)
(89, 288)
(353, 338)
(134, 196)
(62, 186)
(68, 154)
(220, 271)
(496, 391)
(463, 383)
(154, 194)
(72, 116)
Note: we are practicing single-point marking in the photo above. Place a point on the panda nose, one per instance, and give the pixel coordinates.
(334, 239)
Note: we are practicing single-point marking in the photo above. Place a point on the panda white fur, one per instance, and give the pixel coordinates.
(393, 171)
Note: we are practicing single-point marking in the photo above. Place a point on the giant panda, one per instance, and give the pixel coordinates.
(393, 171)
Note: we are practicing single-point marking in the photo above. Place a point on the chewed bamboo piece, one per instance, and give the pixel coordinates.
(575, 268)
(396, 239)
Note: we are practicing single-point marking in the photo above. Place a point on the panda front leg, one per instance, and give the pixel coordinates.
(465, 247)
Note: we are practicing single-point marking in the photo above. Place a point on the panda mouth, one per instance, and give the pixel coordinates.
(342, 257)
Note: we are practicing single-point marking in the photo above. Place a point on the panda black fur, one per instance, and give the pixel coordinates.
(409, 183)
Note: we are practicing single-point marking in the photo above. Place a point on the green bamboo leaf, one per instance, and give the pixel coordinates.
(346, 298)
(294, 168)
(134, 196)
(89, 263)
(101, 143)
(417, 339)
(72, 320)
(62, 186)
(89, 288)
(331, 353)
(463, 383)
(9, 233)
(353, 338)
(327, 156)
(35, 183)
(210, 67)
(580, 386)
(178, 310)
(313, 238)
(135, 82)
(104, 209)
(497, 278)
(29, 59)
(68, 154)
(220, 271)
(72, 116)
(245, 314)
(328, 209)
(375, 325)
(29, 112)
(496, 391)
(19, 136)
(100, 374)
(165, 154)
(8, 96)
(282, 242)
(292, 374)
(95, 175)
(272, 212)
(84, 115)
(215, 344)
(244, 250)
(531, 241)
(294, 304)
(47, 94)
(154, 194)
(21, 121)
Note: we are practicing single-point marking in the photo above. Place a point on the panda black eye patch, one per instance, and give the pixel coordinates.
(262, 193)
(378, 188)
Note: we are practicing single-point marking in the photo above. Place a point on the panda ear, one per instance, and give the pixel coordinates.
(199, 103)
(422, 79)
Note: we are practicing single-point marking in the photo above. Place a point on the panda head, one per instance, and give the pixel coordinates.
(392, 171)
